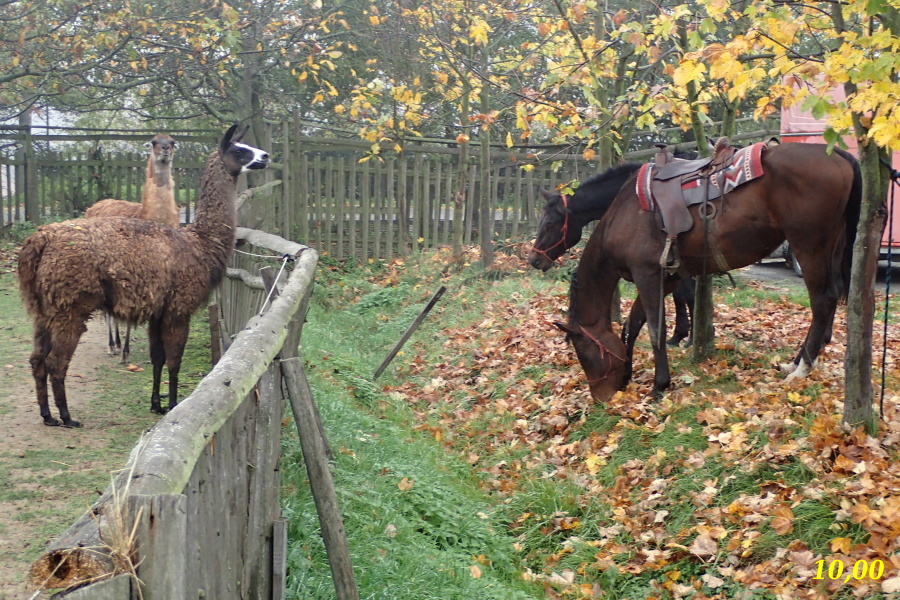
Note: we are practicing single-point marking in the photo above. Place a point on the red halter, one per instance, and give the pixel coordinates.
(564, 231)
(603, 352)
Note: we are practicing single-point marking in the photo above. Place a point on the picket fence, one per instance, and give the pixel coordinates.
(328, 193)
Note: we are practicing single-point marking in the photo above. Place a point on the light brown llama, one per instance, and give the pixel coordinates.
(69, 270)
(158, 198)
(157, 204)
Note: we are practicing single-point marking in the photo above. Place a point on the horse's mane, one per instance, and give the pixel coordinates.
(616, 174)
(573, 306)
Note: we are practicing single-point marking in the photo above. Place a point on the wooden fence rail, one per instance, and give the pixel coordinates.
(201, 489)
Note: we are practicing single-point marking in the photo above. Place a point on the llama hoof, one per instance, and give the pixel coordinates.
(788, 367)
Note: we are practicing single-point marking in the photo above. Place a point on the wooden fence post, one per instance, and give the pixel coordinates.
(313, 445)
(162, 563)
(30, 187)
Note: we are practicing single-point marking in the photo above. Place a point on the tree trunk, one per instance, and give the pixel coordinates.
(858, 393)
(487, 208)
(462, 181)
(703, 330)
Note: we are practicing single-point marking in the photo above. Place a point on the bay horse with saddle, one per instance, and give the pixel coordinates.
(675, 219)
(561, 226)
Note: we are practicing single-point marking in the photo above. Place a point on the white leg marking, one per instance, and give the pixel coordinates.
(802, 370)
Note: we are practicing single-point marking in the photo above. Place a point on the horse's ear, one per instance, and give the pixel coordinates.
(569, 329)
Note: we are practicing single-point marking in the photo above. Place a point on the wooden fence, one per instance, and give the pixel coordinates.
(202, 487)
(320, 193)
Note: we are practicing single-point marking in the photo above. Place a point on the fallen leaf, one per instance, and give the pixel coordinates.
(405, 484)
(704, 545)
(783, 520)
(475, 571)
(889, 586)
(134, 368)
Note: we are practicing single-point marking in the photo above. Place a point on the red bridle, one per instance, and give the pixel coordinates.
(603, 352)
(564, 232)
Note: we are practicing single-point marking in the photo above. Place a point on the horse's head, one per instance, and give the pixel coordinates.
(554, 235)
(602, 356)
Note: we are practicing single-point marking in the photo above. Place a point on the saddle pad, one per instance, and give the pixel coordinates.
(745, 165)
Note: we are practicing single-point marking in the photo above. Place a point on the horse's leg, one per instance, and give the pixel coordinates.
(630, 332)
(649, 291)
(822, 285)
(157, 359)
(683, 297)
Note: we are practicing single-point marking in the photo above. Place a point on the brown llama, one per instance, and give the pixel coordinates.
(157, 204)
(67, 271)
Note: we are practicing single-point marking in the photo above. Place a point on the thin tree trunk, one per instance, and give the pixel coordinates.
(703, 330)
(858, 389)
(487, 208)
(462, 181)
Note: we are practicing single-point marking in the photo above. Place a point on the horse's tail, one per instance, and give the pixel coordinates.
(851, 220)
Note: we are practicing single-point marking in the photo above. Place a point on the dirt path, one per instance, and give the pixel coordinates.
(48, 476)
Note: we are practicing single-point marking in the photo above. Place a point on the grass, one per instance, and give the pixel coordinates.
(420, 541)
(418, 525)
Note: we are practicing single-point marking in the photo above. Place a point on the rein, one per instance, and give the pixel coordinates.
(895, 178)
(564, 232)
(603, 352)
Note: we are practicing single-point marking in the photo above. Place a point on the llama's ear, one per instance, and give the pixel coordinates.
(547, 194)
(148, 145)
(229, 137)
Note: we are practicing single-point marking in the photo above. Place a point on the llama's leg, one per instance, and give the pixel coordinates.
(38, 362)
(174, 340)
(157, 359)
(126, 348)
(63, 342)
(112, 335)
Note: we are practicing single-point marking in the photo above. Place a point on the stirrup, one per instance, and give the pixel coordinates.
(669, 267)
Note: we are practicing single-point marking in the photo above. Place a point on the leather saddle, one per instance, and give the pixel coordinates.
(676, 184)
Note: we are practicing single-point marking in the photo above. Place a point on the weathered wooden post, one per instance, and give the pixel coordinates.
(313, 446)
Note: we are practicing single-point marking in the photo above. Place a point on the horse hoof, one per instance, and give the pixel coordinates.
(158, 410)
(71, 424)
(51, 422)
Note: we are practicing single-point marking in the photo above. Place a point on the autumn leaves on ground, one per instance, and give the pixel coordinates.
(734, 485)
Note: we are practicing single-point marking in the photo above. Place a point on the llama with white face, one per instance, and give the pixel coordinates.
(69, 270)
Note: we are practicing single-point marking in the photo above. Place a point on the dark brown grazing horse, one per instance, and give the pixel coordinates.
(807, 196)
(561, 226)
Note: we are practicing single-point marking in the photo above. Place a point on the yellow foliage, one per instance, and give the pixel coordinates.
(687, 71)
